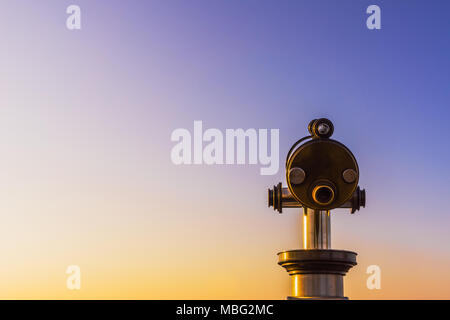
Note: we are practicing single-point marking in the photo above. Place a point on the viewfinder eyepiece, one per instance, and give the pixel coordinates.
(323, 195)
(321, 128)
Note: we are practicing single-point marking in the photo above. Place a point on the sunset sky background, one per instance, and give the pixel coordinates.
(86, 117)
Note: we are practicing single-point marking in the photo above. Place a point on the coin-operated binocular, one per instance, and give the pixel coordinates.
(322, 174)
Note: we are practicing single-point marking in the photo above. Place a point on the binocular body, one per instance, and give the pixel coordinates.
(322, 174)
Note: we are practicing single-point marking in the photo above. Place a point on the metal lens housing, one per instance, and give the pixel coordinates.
(323, 161)
(323, 195)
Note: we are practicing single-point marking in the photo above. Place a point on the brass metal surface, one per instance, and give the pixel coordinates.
(323, 161)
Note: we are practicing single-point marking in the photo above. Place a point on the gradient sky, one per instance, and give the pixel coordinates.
(86, 117)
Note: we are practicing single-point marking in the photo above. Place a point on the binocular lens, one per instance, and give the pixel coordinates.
(323, 195)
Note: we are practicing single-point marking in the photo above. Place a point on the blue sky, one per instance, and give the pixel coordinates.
(87, 117)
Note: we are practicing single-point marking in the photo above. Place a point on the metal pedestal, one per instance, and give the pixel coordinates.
(316, 271)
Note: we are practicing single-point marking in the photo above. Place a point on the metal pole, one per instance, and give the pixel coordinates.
(316, 229)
